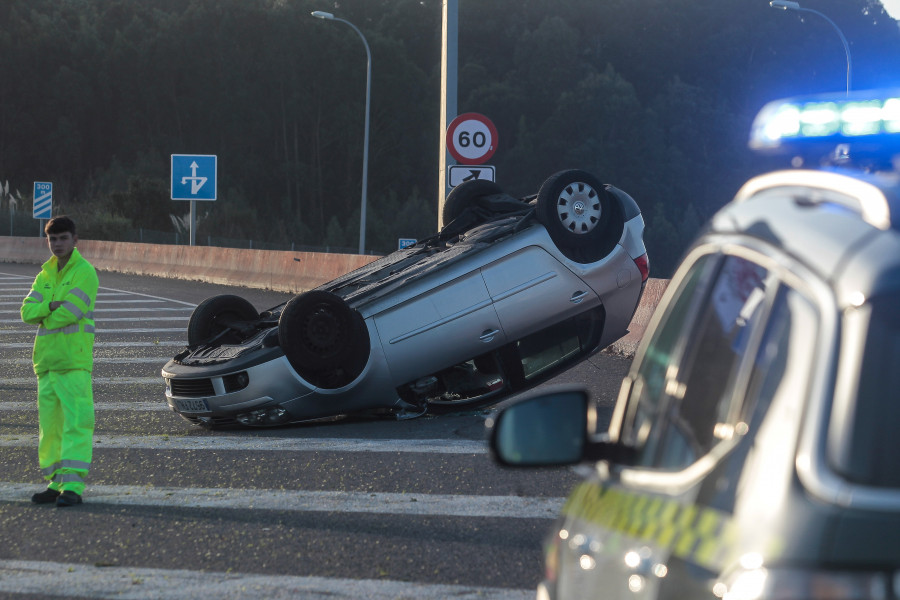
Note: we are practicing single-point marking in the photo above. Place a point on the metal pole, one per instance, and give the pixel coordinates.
(789, 5)
(193, 221)
(843, 41)
(449, 68)
(365, 168)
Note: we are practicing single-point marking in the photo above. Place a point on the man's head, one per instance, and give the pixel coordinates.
(61, 237)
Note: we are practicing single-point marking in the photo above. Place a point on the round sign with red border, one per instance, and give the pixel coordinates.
(471, 138)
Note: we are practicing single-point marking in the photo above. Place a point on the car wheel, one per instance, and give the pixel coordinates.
(324, 339)
(465, 194)
(215, 315)
(581, 216)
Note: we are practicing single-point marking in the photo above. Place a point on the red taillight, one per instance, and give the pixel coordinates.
(643, 265)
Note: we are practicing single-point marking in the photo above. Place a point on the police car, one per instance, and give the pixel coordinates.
(754, 449)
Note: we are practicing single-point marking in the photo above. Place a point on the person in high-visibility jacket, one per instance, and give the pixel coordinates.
(61, 303)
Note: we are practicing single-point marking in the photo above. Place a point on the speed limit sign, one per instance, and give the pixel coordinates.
(471, 138)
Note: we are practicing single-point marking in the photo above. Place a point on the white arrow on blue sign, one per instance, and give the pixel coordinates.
(43, 199)
(194, 176)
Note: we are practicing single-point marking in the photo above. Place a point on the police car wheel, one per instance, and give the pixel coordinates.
(211, 316)
(581, 216)
(465, 195)
(320, 334)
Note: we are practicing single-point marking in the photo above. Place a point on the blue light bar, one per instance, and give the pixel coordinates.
(870, 117)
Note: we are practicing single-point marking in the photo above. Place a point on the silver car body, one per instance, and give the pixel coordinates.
(428, 310)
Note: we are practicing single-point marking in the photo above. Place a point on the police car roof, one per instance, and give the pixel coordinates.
(841, 219)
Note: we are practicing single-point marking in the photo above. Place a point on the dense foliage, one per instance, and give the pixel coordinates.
(654, 96)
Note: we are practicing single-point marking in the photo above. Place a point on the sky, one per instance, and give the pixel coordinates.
(892, 7)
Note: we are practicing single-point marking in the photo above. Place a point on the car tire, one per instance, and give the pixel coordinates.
(324, 339)
(583, 219)
(206, 321)
(465, 195)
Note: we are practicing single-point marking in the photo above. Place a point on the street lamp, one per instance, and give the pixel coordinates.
(788, 5)
(365, 168)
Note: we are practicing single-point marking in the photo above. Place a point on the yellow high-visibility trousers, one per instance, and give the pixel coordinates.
(66, 420)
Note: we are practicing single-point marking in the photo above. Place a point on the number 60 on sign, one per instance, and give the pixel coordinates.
(471, 138)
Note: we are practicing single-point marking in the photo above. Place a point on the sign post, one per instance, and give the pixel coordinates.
(194, 177)
(43, 202)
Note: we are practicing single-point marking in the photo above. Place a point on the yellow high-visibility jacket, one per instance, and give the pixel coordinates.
(65, 337)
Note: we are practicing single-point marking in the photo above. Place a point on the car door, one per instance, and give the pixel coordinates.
(439, 328)
(532, 290)
(633, 528)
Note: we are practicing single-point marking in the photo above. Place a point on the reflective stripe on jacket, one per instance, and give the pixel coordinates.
(65, 336)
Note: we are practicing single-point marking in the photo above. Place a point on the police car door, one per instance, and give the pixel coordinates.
(644, 533)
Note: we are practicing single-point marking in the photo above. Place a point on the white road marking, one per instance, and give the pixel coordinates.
(130, 583)
(29, 345)
(119, 360)
(384, 503)
(97, 381)
(105, 330)
(128, 406)
(142, 318)
(265, 443)
(110, 309)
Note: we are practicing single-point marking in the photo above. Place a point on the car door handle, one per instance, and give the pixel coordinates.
(488, 334)
(578, 297)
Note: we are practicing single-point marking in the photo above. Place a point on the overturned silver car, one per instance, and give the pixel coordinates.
(511, 291)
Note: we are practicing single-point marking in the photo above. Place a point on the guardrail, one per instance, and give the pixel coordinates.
(282, 271)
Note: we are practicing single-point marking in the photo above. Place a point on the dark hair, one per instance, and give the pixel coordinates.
(60, 224)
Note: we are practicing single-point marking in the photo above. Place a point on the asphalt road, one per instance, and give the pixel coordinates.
(351, 508)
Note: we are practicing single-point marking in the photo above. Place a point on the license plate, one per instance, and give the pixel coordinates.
(191, 406)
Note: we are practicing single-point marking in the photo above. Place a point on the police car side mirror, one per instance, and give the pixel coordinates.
(549, 429)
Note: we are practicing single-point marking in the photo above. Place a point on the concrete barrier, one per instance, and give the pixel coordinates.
(653, 292)
(292, 272)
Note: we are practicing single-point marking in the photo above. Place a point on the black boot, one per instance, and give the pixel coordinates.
(45, 497)
(68, 498)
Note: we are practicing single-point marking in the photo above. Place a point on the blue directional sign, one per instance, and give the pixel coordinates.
(43, 199)
(194, 177)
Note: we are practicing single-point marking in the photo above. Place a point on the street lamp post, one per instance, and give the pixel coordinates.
(365, 168)
(788, 5)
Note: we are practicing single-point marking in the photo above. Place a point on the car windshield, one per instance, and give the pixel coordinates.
(872, 457)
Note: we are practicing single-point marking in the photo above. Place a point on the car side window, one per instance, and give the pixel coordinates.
(789, 335)
(649, 384)
(694, 402)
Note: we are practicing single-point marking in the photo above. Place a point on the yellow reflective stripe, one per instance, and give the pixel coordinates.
(68, 478)
(66, 330)
(695, 533)
(75, 464)
(72, 309)
(74, 328)
(66, 464)
(79, 293)
(35, 296)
